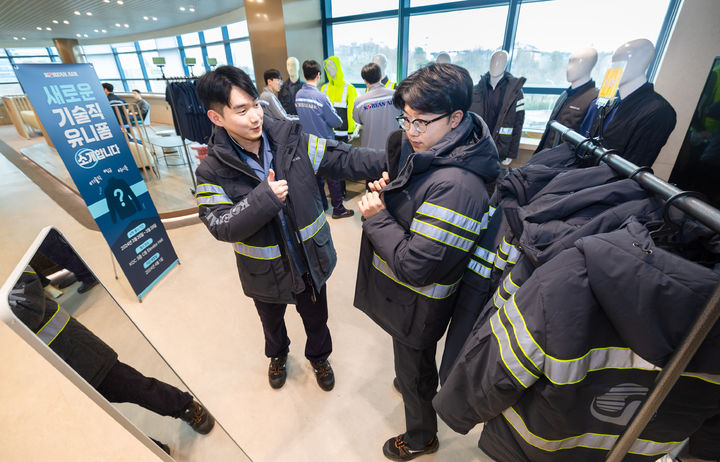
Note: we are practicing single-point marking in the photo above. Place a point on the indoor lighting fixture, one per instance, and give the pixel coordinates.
(182, 8)
(85, 35)
(15, 38)
(66, 21)
(117, 25)
(78, 35)
(77, 13)
(146, 18)
(104, 31)
(55, 21)
(154, 18)
(23, 38)
(106, 1)
(95, 30)
(48, 28)
(192, 10)
(89, 13)
(126, 25)
(120, 2)
(38, 28)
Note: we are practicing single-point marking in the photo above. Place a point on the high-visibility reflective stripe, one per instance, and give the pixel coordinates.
(500, 262)
(711, 378)
(208, 188)
(344, 94)
(509, 286)
(506, 130)
(568, 371)
(54, 326)
(484, 254)
(438, 234)
(310, 101)
(450, 216)
(436, 291)
(507, 355)
(479, 268)
(312, 229)
(316, 151)
(514, 255)
(258, 253)
(520, 102)
(341, 132)
(498, 300)
(214, 199)
(519, 108)
(585, 440)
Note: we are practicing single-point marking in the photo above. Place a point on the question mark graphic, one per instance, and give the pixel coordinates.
(119, 194)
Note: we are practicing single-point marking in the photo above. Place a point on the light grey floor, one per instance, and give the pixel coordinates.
(209, 332)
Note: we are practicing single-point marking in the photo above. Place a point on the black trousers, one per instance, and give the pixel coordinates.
(314, 315)
(418, 379)
(124, 384)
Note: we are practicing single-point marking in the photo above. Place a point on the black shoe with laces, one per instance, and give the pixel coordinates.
(198, 418)
(324, 374)
(345, 214)
(397, 449)
(277, 372)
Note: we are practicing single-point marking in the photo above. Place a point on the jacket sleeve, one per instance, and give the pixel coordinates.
(440, 237)
(351, 95)
(334, 159)
(517, 125)
(27, 299)
(357, 114)
(329, 115)
(493, 371)
(279, 111)
(232, 222)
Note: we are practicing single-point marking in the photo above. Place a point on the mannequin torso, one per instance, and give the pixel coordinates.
(498, 63)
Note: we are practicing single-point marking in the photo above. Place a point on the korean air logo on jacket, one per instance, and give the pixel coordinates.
(619, 404)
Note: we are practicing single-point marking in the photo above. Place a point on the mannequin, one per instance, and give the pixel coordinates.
(639, 122)
(381, 60)
(499, 100)
(571, 107)
(287, 92)
(443, 58)
(342, 94)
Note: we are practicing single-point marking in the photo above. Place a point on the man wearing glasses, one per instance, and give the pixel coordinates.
(422, 220)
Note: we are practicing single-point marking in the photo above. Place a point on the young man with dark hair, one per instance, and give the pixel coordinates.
(318, 117)
(374, 110)
(115, 100)
(143, 105)
(423, 220)
(257, 190)
(271, 105)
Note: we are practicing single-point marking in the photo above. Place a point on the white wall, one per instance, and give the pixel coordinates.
(694, 43)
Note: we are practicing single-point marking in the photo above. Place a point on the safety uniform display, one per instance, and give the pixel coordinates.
(74, 343)
(374, 110)
(558, 372)
(341, 94)
(287, 94)
(570, 109)
(387, 83)
(637, 126)
(237, 207)
(272, 107)
(505, 105)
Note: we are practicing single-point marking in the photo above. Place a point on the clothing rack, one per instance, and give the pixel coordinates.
(179, 129)
(692, 205)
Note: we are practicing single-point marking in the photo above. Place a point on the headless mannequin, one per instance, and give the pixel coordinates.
(498, 63)
(293, 68)
(443, 58)
(637, 54)
(580, 65)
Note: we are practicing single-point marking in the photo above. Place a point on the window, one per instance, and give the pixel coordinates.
(238, 30)
(28, 51)
(130, 66)
(357, 42)
(242, 57)
(542, 47)
(432, 34)
(199, 67)
(190, 39)
(217, 52)
(105, 66)
(213, 35)
(346, 8)
(430, 2)
(6, 71)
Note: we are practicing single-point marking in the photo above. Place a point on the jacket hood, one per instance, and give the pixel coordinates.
(334, 61)
(469, 146)
(650, 295)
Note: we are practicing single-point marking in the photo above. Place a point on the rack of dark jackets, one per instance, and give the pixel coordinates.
(189, 114)
(694, 207)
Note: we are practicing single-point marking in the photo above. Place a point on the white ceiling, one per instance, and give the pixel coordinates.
(21, 18)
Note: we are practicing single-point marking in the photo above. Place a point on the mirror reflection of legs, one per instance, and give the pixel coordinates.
(61, 301)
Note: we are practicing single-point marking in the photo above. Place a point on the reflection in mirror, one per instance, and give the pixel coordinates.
(61, 301)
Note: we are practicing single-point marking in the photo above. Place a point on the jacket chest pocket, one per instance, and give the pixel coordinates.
(256, 269)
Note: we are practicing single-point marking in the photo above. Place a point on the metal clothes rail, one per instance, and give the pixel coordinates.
(699, 210)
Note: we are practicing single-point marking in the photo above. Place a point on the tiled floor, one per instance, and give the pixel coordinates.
(200, 321)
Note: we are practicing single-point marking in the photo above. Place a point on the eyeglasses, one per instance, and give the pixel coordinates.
(419, 124)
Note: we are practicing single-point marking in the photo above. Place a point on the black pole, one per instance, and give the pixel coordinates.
(705, 321)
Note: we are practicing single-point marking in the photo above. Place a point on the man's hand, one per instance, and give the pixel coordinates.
(370, 204)
(378, 185)
(280, 187)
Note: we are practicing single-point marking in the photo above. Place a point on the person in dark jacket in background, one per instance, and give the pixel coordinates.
(115, 100)
(95, 361)
(423, 220)
(257, 190)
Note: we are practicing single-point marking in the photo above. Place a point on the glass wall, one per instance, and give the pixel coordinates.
(129, 65)
(539, 36)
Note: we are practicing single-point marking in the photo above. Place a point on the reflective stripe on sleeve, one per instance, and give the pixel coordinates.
(450, 216)
(208, 188)
(316, 151)
(509, 286)
(438, 234)
(507, 355)
(309, 101)
(54, 326)
(585, 440)
(258, 253)
(498, 299)
(479, 268)
(506, 130)
(484, 254)
(213, 200)
(436, 291)
(313, 228)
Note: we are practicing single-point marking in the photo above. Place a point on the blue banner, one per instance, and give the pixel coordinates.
(76, 114)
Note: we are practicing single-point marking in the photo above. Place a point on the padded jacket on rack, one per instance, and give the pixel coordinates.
(508, 129)
(558, 372)
(239, 208)
(413, 254)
